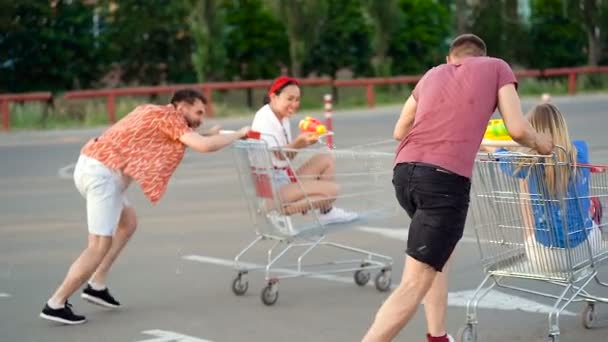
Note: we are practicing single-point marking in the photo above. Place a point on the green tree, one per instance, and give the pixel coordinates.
(516, 40)
(344, 41)
(206, 24)
(151, 42)
(462, 16)
(386, 18)
(302, 19)
(48, 46)
(592, 16)
(556, 39)
(604, 20)
(422, 38)
(256, 42)
(498, 23)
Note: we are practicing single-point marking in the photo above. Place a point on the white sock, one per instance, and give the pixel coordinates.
(54, 304)
(96, 286)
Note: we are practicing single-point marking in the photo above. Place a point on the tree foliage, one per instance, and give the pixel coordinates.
(344, 41)
(422, 38)
(59, 45)
(206, 22)
(150, 43)
(557, 38)
(46, 47)
(256, 42)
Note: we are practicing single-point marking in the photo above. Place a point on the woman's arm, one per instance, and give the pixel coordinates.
(489, 149)
(519, 128)
(301, 141)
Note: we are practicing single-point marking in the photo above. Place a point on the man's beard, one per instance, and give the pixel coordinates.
(193, 123)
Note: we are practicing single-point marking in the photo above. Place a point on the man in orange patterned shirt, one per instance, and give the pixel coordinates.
(146, 146)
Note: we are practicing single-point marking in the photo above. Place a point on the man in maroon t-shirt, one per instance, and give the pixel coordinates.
(440, 128)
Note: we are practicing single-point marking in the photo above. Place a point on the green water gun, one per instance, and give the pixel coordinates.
(496, 130)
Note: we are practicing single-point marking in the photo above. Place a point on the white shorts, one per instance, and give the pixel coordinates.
(104, 190)
(553, 259)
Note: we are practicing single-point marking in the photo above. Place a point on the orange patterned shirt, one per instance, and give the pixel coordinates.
(143, 145)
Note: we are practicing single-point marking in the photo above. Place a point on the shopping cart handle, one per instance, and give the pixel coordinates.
(499, 143)
(254, 135)
(250, 135)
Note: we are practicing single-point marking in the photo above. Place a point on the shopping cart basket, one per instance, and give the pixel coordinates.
(364, 180)
(535, 234)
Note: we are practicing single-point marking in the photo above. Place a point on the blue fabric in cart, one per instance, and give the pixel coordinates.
(548, 216)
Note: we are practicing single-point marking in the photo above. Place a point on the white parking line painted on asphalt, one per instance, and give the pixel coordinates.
(67, 171)
(4, 295)
(495, 300)
(169, 336)
(502, 301)
(230, 263)
(401, 233)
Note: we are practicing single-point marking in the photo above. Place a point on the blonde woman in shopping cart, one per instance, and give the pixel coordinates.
(550, 231)
(316, 176)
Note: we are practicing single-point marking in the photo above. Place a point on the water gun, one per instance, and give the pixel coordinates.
(312, 125)
(496, 130)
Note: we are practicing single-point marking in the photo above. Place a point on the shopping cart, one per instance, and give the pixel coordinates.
(510, 218)
(364, 180)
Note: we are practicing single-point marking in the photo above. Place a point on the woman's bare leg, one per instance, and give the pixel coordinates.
(298, 197)
(320, 167)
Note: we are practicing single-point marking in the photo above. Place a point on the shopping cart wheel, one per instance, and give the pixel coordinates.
(468, 333)
(240, 284)
(383, 280)
(588, 315)
(362, 277)
(270, 294)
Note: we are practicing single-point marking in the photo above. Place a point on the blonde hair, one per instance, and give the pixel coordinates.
(546, 118)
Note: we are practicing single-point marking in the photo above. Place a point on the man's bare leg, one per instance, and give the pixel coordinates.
(436, 303)
(126, 227)
(403, 303)
(82, 269)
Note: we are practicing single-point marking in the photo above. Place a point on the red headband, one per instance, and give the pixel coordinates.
(281, 82)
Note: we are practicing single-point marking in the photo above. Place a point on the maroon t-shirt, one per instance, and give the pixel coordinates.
(454, 104)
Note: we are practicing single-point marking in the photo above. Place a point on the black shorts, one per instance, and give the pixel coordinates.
(437, 201)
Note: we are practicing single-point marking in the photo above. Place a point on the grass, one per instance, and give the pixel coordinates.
(90, 113)
(559, 85)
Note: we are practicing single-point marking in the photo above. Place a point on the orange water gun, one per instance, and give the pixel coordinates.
(312, 125)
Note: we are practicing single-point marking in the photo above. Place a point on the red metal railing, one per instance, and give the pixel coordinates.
(370, 83)
(206, 88)
(572, 74)
(6, 99)
(110, 95)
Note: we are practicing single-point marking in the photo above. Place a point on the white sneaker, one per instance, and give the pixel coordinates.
(337, 215)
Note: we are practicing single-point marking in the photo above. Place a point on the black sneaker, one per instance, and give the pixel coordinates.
(101, 297)
(64, 315)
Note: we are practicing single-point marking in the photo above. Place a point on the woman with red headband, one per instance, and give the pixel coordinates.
(317, 174)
